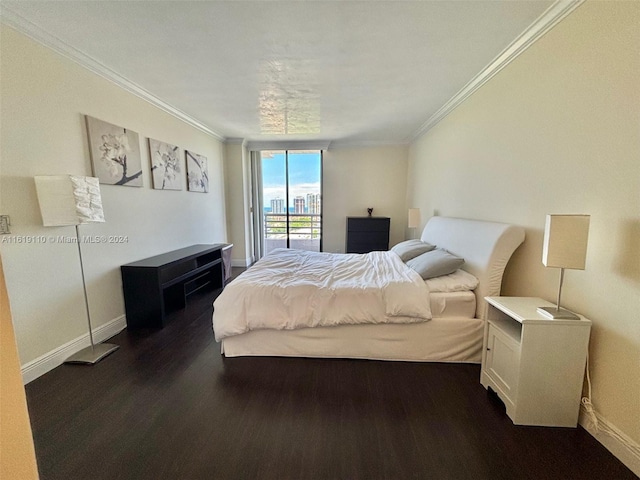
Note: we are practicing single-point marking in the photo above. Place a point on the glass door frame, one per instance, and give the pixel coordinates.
(258, 199)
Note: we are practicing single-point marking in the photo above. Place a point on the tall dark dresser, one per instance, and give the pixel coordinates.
(366, 234)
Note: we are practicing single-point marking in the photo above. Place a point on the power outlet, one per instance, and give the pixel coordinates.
(4, 224)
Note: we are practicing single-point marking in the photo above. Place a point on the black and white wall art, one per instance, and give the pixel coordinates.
(197, 174)
(165, 165)
(115, 153)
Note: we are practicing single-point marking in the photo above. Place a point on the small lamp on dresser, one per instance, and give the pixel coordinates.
(565, 246)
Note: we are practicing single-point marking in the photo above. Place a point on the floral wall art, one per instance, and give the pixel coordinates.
(115, 153)
(197, 174)
(165, 165)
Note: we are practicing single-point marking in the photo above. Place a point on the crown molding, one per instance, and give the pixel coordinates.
(234, 141)
(545, 22)
(38, 34)
(367, 143)
(256, 145)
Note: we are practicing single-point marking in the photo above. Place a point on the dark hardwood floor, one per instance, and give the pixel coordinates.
(167, 405)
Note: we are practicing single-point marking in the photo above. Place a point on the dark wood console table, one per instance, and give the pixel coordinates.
(158, 285)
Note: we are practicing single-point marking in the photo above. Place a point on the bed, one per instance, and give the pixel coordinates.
(453, 333)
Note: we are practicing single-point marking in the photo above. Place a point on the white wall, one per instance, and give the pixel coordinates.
(44, 98)
(356, 178)
(557, 131)
(238, 199)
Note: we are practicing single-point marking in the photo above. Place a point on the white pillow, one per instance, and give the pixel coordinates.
(411, 248)
(458, 281)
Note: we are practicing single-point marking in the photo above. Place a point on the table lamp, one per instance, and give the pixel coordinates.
(565, 246)
(414, 218)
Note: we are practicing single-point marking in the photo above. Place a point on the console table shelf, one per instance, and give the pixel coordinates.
(155, 286)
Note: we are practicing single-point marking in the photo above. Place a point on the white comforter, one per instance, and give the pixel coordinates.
(290, 289)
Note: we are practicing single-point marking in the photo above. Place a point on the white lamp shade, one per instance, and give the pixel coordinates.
(565, 241)
(69, 200)
(414, 217)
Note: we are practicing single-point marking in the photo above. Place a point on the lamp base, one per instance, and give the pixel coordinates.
(93, 354)
(557, 313)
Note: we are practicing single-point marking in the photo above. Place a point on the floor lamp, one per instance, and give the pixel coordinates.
(74, 200)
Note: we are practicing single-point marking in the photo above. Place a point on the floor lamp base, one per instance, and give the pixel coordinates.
(92, 355)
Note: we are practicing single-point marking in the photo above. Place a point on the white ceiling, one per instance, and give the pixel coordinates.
(370, 72)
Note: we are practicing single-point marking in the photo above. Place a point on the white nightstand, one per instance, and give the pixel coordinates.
(535, 364)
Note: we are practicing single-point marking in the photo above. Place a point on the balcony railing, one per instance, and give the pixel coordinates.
(304, 231)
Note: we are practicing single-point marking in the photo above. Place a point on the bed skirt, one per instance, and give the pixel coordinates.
(438, 340)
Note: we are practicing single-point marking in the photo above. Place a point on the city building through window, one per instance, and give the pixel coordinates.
(291, 194)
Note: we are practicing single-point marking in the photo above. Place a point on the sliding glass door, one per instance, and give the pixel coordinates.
(291, 199)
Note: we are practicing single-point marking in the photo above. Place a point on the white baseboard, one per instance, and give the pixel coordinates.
(240, 262)
(619, 444)
(47, 362)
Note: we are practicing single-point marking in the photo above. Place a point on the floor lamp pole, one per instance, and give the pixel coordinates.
(84, 288)
(94, 353)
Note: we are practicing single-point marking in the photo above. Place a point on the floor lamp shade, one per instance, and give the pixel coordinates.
(74, 200)
(564, 246)
(414, 217)
(69, 200)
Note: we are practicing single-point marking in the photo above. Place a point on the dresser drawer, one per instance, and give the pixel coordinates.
(367, 234)
(368, 224)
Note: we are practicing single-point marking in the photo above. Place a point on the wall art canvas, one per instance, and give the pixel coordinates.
(197, 174)
(165, 165)
(115, 153)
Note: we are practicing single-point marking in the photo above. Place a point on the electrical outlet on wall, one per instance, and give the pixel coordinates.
(4, 224)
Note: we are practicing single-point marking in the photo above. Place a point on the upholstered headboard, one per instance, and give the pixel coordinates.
(485, 246)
